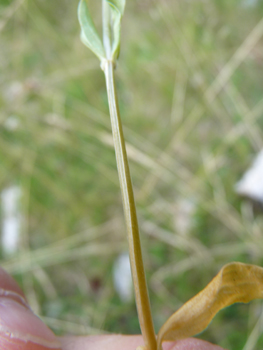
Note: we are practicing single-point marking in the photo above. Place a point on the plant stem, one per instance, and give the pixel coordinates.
(138, 274)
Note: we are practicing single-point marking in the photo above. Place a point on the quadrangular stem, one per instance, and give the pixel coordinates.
(137, 267)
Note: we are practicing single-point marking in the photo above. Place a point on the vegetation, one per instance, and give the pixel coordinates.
(188, 139)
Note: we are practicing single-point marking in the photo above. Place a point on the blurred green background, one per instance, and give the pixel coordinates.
(190, 92)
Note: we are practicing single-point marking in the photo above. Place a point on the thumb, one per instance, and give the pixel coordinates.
(20, 328)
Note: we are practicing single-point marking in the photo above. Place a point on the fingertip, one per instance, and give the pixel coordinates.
(20, 328)
(9, 285)
(191, 344)
(130, 342)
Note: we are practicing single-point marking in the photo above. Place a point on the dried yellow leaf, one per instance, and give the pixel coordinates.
(235, 282)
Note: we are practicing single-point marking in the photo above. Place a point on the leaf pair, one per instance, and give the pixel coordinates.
(235, 282)
(111, 29)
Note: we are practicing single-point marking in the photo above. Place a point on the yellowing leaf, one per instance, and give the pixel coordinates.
(235, 282)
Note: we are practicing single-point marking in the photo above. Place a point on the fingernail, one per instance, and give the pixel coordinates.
(20, 328)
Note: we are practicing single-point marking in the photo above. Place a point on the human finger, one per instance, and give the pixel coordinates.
(129, 342)
(20, 328)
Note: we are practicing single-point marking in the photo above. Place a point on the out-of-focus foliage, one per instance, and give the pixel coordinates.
(190, 90)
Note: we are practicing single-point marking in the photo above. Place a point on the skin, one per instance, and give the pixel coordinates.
(21, 329)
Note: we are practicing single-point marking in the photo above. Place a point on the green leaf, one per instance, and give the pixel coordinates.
(117, 10)
(118, 4)
(89, 35)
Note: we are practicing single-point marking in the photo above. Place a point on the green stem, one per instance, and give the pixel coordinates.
(138, 274)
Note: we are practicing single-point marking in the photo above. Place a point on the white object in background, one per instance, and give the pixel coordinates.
(11, 219)
(122, 277)
(183, 215)
(13, 91)
(251, 184)
(249, 3)
(11, 123)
